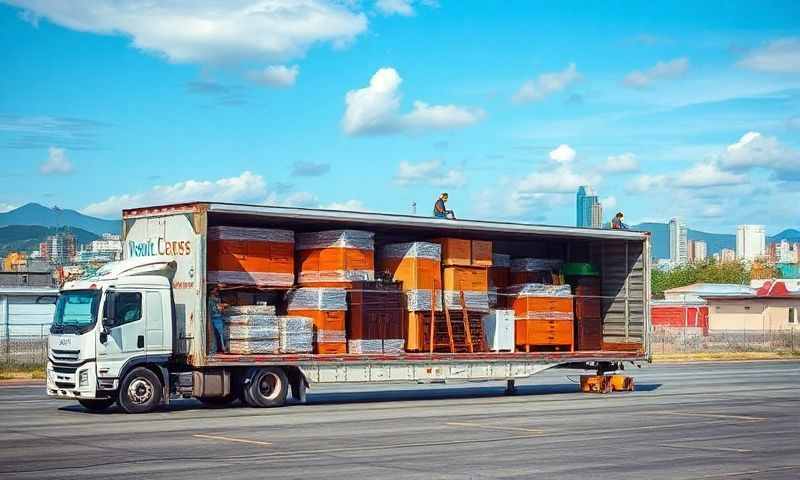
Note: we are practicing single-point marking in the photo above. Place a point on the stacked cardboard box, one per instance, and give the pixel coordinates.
(251, 256)
(544, 316)
(375, 318)
(326, 308)
(335, 257)
(418, 266)
(466, 269)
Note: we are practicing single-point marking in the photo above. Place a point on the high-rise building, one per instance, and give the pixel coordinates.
(751, 242)
(727, 255)
(698, 251)
(58, 249)
(110, 246)
(678, 242)
(589, 211)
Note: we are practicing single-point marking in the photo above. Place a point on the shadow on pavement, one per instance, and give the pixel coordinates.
(432, 392)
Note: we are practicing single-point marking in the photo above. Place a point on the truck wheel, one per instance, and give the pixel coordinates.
(140, 391)
(96, 405)
(267, 387)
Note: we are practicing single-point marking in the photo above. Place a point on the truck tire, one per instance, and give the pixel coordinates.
(96, 405)
(140, 391)
(266, 387)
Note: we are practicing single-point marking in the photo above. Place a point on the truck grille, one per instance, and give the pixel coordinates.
(65, 385)
(65, 355)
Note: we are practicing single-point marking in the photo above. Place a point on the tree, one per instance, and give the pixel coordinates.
(706, 272)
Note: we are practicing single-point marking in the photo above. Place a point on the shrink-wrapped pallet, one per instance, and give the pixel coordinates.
(501, 260)
(250, 310)
(535, 264)
(335, 256)
(250, 256)
(250, 334)
(474, 301)
(324, 299)
(536, 301)
(417, 265)
(296, 334)
(392, 346)
(539, 290)
(419, 300)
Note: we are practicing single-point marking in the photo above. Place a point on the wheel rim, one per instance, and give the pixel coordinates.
(140, 391)
(269, 385)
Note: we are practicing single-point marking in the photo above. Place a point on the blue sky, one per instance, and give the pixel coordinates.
(689, 109)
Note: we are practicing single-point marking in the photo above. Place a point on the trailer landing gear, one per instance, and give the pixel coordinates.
(511, 387)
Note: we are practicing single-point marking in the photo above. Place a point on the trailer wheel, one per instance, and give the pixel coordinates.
(140, 391)
(266, 387)
(96, 405)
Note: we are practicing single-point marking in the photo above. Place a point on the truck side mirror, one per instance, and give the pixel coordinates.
(109, 310)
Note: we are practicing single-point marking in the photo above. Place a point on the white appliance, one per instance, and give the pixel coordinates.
(498, 326)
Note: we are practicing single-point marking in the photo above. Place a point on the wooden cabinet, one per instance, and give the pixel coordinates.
(554, 334)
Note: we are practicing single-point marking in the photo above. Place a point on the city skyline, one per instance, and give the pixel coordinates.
(690, 119)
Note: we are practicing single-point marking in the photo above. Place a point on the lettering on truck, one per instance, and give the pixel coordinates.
(161, 246)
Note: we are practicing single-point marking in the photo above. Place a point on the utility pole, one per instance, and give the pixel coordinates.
(413, 208)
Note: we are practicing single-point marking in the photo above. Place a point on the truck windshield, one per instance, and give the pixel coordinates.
(76, 311)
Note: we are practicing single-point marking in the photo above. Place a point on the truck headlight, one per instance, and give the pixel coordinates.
(83, 378)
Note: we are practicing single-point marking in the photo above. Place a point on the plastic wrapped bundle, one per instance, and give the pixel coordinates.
(250, 310)
(254, 234)
(394, 345)
(250, 256)
(501, 260)
(492, 294)
(326, 299)
(296, 334)
(331, 336)
(540, 290)
(420, 300)
(431, 251)
(252, 347)
(535, 264)
(474, 301)
(357, 239)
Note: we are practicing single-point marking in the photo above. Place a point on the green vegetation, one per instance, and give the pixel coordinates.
(25, 238)
(708, 272)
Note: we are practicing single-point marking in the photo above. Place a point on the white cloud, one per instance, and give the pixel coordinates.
(246, 187)
(275, 75)
(708, 175)
(609, 202)
(57, 163)
(299, 199)
(624, 163)
(432, 172)
(374, 109)
(395, 7)
(546, 84)
(661, 70)
(778, 56)
(755, 150)
(7, 207)
(712, 211)
(647, 183)
(210, 31)
(351, 205)
(562, 154)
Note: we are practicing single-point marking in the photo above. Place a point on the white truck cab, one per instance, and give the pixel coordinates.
(112, 336)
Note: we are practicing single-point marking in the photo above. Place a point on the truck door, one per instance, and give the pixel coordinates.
(124, 335)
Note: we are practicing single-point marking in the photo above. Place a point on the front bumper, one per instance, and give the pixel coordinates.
(82, 384)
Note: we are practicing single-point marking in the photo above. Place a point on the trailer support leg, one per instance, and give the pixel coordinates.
(511, 387)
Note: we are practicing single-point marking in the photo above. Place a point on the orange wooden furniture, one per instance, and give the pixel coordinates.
(455, 251)
(252, 262)
(467, 279)
(334, 264)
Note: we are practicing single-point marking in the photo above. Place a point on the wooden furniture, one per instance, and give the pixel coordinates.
(375, 312)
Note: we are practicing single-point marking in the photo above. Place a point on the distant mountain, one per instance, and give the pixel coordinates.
(714, 241)
(26, 238)
(35, 214)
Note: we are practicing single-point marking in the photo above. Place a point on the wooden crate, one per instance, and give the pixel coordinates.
(543, 307)
(455, 251)
(481, 254)
(467, 279)
(331, 348)
(375, 311)
(553, 334)
(414, 273)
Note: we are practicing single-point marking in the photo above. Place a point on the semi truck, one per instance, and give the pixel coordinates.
(138, 333)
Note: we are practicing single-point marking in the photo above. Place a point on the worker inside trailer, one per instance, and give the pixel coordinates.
(439, 208)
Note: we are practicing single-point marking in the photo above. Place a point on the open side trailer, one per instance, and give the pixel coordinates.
(181, 357)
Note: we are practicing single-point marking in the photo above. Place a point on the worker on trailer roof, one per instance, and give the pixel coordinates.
(440, 210)
(617, 223)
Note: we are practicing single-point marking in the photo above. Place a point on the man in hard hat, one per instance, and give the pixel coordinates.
(440, 209)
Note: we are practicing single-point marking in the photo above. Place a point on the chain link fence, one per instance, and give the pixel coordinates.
(24, 345)
(667, 340)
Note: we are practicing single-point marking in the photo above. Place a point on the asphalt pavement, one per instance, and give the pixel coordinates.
(709, 420)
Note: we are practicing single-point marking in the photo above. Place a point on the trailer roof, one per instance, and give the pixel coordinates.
(387, 220)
